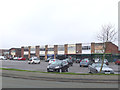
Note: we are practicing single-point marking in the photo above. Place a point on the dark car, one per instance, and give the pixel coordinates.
(117, 62)
(78, 60)
(58, 66)
(70, 62)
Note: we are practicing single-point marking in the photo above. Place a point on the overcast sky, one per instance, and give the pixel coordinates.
(42, 22)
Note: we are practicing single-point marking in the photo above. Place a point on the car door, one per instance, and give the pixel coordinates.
(64, 65)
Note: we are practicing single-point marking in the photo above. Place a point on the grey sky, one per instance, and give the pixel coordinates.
(41, 22)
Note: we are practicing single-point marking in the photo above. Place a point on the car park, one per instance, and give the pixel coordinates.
(21, 58)
(70, 62)
(85, 62)
(58, 66)
(78, 60)
(117, 62)
(34, 60)
(95, 68)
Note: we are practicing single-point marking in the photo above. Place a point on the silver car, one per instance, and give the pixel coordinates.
(95, 68)
(85, 62)
(34, 60)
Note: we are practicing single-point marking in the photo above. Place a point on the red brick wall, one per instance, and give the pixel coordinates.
(111, 48)
(78, 48)
(37, 51)
(29, 48)
(46, 51)
(92, 47)
(22, 51)
(66, 48)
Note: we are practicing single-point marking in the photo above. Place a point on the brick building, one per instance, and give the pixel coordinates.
(4, 52)
(79, 50)
(15, 52)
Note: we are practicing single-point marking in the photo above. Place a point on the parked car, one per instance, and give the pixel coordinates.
(3, 58)
(10, 58)
(15, 58)
(78, 60)
(85, 62)
(95, 68)
(48, 59)
(96, 60)
(34, 60)
(58, 66)
(105, 61)
(21, 58)
(70, 62)
(117, 62)
(52, 60)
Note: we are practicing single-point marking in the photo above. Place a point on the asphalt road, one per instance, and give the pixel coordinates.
(8, 82)
(43, 66)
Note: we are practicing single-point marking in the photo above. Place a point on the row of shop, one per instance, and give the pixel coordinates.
(79, 50)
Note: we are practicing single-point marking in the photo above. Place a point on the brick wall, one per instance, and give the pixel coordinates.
(46, 51)
(29, 48)
(66, 48)
(78, 48)
(111, 48)
(92, 48)
(22, 51)
(37, 51)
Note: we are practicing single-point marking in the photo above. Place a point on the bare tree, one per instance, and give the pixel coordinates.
(108, 34)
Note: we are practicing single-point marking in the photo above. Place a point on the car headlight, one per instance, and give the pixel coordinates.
(47, 66)
(57, 67)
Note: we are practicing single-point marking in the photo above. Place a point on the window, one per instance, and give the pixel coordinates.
(50, 49)
(42, 49)
(86, 48)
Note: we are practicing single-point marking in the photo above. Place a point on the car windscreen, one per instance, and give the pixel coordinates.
(84, 60)
(35, 59)
(56, 63)
(99, 65)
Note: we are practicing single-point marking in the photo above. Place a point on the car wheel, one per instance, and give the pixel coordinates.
(39, 63)
(28, 63)
(90, 71)
(48, 71)
(67, 70)
(80, 65)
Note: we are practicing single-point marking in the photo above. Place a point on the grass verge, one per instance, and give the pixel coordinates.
(68, 73)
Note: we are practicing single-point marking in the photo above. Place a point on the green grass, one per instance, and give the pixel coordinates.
(67, 73)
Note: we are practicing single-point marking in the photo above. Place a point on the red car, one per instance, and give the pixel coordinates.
(118, 62)
(21, 58)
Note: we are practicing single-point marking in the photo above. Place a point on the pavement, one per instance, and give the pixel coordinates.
(61, 77)
(17, 83)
